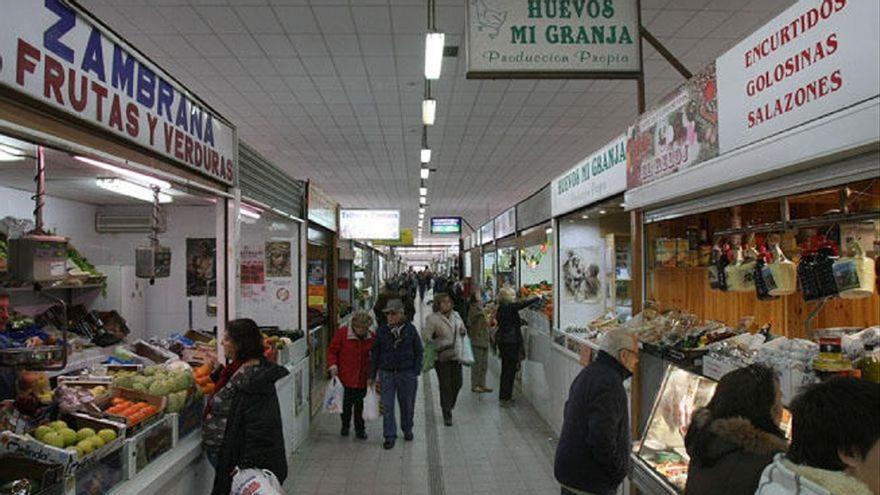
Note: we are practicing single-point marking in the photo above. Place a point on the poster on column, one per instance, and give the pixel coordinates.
(253, 273)
(278, 259)
(817, 57)
(317, 289)
(677, 134)
(57, 54)
(581, 275)
(552, 38)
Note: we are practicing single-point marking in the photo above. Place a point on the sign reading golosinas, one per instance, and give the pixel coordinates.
(59, 56)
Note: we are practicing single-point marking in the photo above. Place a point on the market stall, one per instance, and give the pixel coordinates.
(506, 250)
(270, 241)
(761, 245)
(116, 216)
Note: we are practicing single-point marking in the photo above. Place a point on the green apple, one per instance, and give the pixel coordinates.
(84, 433)
(69, 437)
(86, 446)
(107, 435)
(54, 439)
(41, 431)
(58, 425)
(97, 441)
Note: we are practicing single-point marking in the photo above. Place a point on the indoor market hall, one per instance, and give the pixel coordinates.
(440, 247)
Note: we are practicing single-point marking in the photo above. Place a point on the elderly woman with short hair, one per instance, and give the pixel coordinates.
(445, 328)
(349, 359)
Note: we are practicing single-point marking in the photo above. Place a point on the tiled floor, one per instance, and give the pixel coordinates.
(488, 450)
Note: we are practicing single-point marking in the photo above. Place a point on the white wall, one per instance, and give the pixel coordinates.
(167, 303)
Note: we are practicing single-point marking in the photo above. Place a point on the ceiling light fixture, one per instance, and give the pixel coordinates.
(130, 189)
(128, 174)
(426, 155)
(423, 200)
(423, 191)
(585, 217)
(250, 212)
(10, 154)
(424, 173)
(434, 53)
(602, 212)
(426, 151)
(548, 230)
(429, 111)
(422, 210)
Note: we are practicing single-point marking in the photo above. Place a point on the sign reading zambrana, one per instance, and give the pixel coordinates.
(58, 55)
(552, 38)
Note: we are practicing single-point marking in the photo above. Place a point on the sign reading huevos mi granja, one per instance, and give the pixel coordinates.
(56, 54)
(522, 38)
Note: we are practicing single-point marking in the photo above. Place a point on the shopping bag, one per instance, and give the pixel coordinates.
(333, 396)
(371, 405)
(464, 352)
(255, 482)
(429, 356)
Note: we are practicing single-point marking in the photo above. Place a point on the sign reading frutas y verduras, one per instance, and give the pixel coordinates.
(680, 132)
(817, 57)
(58, 55)
(596, 177)
(519, 38)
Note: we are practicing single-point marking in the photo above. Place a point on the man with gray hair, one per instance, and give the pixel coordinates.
(593, 452)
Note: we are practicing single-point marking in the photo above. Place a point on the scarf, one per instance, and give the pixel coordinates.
(225, 375)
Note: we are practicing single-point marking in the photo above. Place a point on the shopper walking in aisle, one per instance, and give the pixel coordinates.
(242, 427)
(386, 293)
(424, 282)
(409, 305)
(593, 451)
(397, 362)
(349, 359)
(509, 340)
(732, 440)
(835, 442)
(445, 328)
(478, 331)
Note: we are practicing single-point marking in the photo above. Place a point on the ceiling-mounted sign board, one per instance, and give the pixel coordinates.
(405, 239)
(505, 223)
(815, 58)
(322, 208)
(596, 177)
(552, 39)
(55, 53)
(487, 232)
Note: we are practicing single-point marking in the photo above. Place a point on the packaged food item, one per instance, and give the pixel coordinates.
(869, 364)
(762, 289)
(780, 276)
(854, 276)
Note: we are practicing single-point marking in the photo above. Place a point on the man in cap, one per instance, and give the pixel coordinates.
(397, 361)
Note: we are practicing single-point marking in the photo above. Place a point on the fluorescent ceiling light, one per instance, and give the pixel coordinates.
(10, 154)
(423, 191)
(426, 155)
(602, 212)
(423, 200)
(130, 189)
(250, 212)
(434, 54)
(425, 172)
(429, 111)
(128, 174)
(421, 209)
(421, 224)
(549, 230)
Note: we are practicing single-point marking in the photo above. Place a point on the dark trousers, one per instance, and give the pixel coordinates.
(353, 399)
(402, 385)
(509, 363)
(449, 380)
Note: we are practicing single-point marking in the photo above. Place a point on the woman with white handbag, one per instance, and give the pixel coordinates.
(447, 331)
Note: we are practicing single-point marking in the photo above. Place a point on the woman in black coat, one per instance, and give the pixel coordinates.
(509, 340)
(733, 438)
(242, 427)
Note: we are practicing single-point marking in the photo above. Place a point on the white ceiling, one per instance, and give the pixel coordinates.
(330, 90)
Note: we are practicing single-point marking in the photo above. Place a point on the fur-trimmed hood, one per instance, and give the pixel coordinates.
(708, 440)
(785, 477)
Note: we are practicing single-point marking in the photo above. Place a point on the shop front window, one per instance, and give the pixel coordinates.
(536, 270)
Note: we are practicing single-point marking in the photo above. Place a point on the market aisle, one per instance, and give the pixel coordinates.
(489, 450)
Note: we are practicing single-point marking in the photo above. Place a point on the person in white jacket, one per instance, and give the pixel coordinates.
(835, 445)
(446, 329)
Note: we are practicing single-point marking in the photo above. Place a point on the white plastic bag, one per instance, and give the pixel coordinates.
(371, 405)
(464, 351)
(255, 482)
(333, 396)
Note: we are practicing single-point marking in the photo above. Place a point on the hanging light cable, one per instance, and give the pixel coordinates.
(426, 151)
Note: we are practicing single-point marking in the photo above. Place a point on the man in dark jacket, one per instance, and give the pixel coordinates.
(593, 452)
(397, 361)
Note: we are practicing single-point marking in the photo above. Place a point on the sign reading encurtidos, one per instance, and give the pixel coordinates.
(519, 38)
(58, 55)
(817, 57)
(596, 177)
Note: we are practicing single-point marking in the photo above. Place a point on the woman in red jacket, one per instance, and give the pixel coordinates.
(349, 359)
